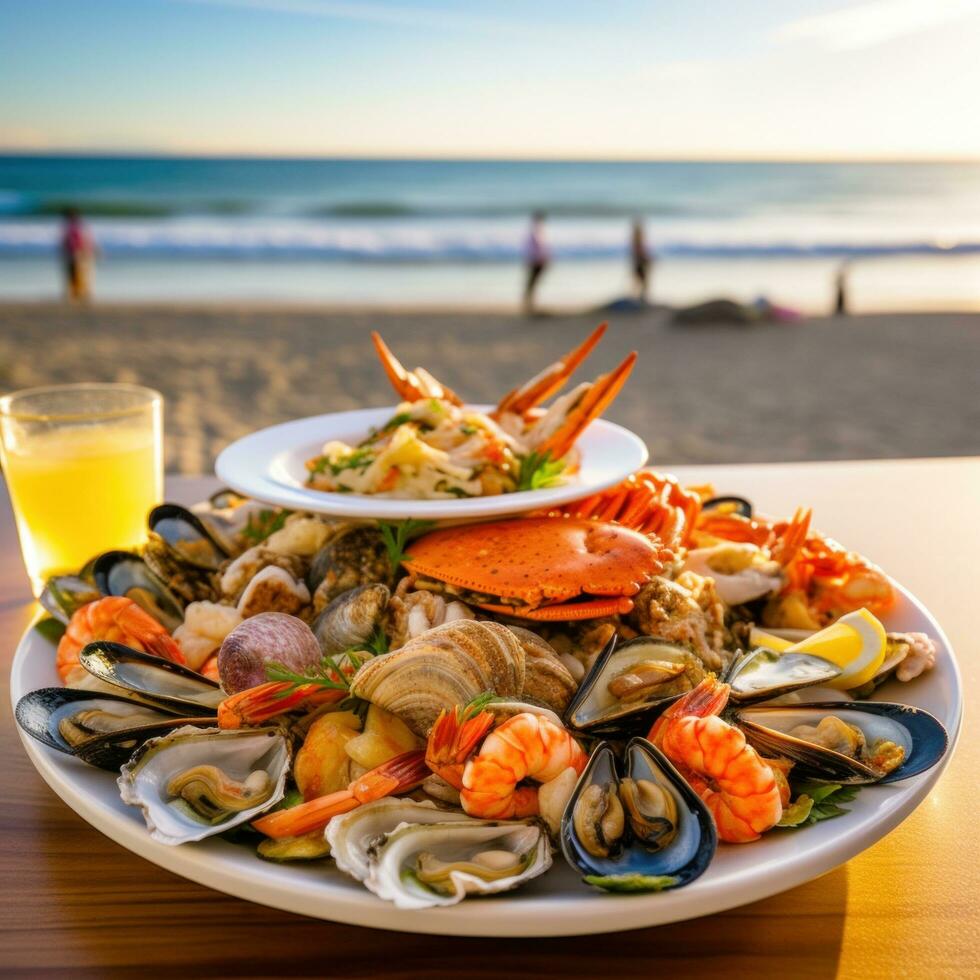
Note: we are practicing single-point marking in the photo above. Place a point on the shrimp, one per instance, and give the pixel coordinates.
(737, 785)
(525, 746)
(119, 620)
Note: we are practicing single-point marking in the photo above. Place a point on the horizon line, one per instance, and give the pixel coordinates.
(96, 153)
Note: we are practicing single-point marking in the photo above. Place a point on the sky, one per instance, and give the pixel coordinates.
(756, 79)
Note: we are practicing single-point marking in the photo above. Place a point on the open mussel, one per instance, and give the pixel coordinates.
(197, 782)
(636, 825)
(734, 505)
(847, 742)
(764, 674)
(123, 573)
(100, 729)
(63, 595)
(631, 682)
(182, 552)
(152, 680)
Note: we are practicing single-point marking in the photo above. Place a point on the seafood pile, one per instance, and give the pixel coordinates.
(434, 447)
(624, 684)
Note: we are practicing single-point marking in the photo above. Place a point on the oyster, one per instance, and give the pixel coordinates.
(124, 574)
(351, 619)
(353, 836)
(847, 742)
(355, 555)
(741, 571)
(238, 574)
(421, 866)
(267, 637)
(100, 729)
(765, 674)
(631, 682)
(273, 590)
(448, 665)
(636, 826)
(197, 782)
(151, 679)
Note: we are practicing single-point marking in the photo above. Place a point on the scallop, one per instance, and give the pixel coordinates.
(419, 866)
(198, 782)
(891, 741)
(634, 824)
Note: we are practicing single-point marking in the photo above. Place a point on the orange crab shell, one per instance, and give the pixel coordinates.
(544, 562)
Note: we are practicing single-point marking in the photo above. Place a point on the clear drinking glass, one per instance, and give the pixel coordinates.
(84, 466)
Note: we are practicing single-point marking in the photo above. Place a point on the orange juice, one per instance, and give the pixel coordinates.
(77, 493)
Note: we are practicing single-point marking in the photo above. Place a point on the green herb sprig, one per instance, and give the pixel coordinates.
(263, 524)
(539, 470)
(396, 536)
(815, 802)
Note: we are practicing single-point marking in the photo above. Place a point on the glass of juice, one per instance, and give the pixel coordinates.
(84, 466)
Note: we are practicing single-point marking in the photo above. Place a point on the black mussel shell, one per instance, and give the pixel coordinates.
(187, 537)
(355, 556)
(739, 505)
(64, 594)
(123, 573)
(764, 674)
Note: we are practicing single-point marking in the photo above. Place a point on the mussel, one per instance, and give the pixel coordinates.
(152, 680)
(847, 742)
(636, 825)
(182, 553)
(63, 595)
(100, 729)
(631, 682)
(123, 573)
(764, 674)
(737, 505)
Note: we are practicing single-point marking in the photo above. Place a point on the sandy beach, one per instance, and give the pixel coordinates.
(841, 388)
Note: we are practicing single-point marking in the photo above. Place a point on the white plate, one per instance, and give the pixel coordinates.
(556, 904)
(269, 465)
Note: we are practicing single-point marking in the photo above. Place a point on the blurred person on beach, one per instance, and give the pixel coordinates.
(78, 256)
(642, 260)
(536, 260)
(840, 286)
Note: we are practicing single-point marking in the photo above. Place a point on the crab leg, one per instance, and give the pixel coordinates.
(591, 405)
(543, 385)
(398, 775)
(411, 386)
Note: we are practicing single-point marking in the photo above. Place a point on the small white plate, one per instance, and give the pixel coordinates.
(269, 465)
(556, 904)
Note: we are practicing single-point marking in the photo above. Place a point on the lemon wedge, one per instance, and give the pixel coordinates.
(760, 638)
(856, 643)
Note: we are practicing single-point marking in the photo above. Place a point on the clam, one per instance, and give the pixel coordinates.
(547, 680)
(765, 674)
(270, 637)
(445, 666)
(424, 865)
(353, 836)
(124, 574)
(636, 825)
(100, 729)
(631, 682)
(152, 680)
(355, 555)
(197, 782)
(847, 742)
(351, 619)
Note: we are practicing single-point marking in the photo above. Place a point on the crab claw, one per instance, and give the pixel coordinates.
(398, 775)
(543, 385)
(411, 386)
(591, 403)
(256, 705)
(453, 739)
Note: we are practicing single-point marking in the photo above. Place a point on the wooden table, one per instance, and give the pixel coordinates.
(73, 901)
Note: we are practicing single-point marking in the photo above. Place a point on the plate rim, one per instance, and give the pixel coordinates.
(575, 914)
(261, 485)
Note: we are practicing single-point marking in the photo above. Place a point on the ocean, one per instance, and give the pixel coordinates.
(407, 232)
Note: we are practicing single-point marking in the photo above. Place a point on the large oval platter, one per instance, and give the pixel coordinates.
(556, 904)
(269, 465)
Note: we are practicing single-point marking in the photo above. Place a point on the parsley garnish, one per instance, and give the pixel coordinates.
(816, 802)
(263, 524)
(539, 471)
(397, 534)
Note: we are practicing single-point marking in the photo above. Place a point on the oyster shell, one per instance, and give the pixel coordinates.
(151, 679)
(896, 741)
(636, 825)
(353, 836)
(448, 665)
(421, 866)
(765, 674)
(631, 682)
(197, 782)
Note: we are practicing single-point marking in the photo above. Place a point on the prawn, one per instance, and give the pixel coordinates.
(737, 785)
(119, 620)
(525, 746)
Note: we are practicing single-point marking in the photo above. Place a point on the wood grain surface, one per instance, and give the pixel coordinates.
(73, 903)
